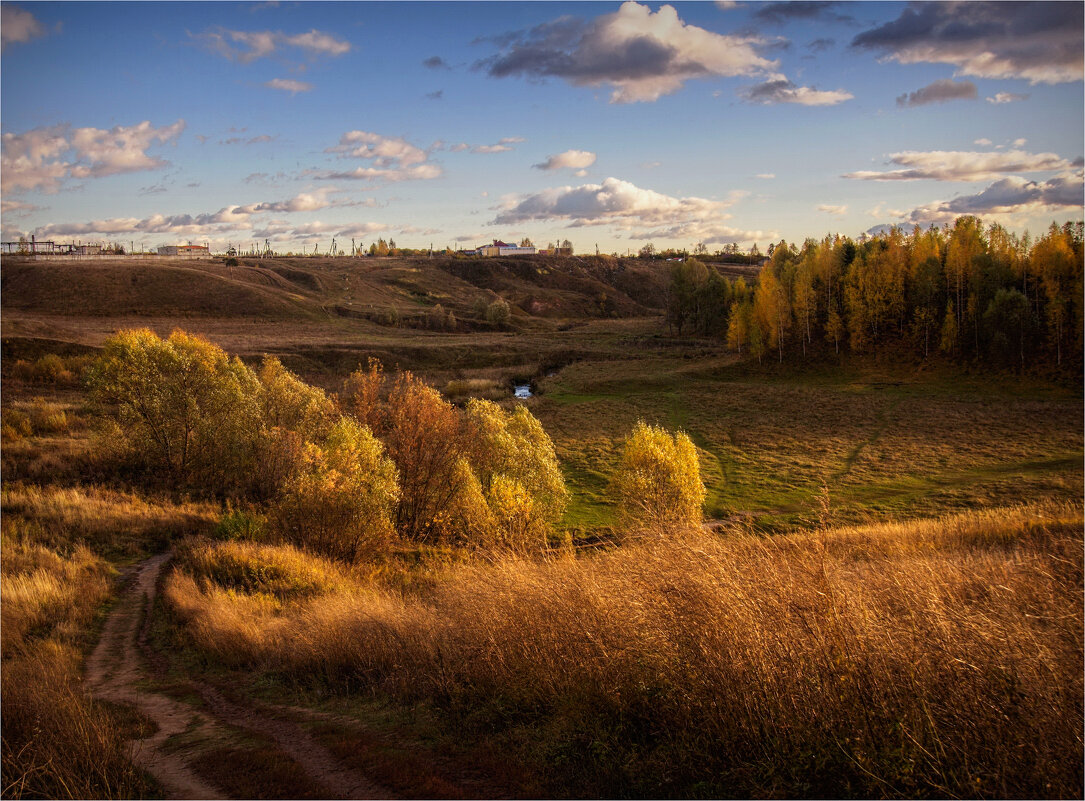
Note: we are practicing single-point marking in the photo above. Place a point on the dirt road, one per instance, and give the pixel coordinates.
(118, 668)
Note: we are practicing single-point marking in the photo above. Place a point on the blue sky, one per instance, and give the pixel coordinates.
(608, 124)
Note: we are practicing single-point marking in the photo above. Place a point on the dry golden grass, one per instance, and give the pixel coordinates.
(111, 522)
(56, 742)
(935, 657)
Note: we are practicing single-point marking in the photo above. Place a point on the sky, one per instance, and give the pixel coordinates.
(612, 125)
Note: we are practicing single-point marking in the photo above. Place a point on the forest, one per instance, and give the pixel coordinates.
(971, 292)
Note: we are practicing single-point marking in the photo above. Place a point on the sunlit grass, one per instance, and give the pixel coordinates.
(929, 657)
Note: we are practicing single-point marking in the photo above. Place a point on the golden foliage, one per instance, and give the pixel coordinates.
(658, 483)
(341, 497)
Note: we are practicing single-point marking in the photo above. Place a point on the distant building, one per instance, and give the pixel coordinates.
(183, 250)
(499, 248)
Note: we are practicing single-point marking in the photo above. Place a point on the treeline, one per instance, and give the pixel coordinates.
(969, 292)
(386, 460)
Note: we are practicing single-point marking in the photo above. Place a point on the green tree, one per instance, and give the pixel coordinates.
(658, 485)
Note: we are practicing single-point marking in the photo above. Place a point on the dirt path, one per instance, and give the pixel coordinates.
(118, 666)
(113, 672)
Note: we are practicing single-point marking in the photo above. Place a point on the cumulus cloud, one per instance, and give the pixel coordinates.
(641, 213)
(288, 85)
(778, 89)
(570, 159)
(44, 157)
(837, 210)
(17, 25)
(391, 159)
(985, 142)
(384, 151)
(1010, 196)
(1038, 41)
(940, 91)
(957, 165)
(248, 46)
(643, 55)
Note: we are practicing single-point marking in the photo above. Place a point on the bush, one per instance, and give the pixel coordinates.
(341, 498)
(187, 407)
(658, 483)
(498, 313)
(237, 524)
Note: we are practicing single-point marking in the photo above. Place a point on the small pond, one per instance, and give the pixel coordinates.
(522, 391)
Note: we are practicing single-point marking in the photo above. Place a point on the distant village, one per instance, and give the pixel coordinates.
(35, 248)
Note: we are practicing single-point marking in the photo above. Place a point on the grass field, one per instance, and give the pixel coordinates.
(884, 442)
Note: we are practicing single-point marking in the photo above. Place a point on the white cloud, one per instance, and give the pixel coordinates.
(956, 165)
(837, 210)
(1020, 142)
(641, 213)
(316, 42)
(288, 85)
(43, 157)
(1007, 97)
(385, 151)
(253, 45)
(16, 208)
(643, 55)
(503, 145)
(983, 142)
(778, 89)
(18, 25)
(570, 159)
(419, 172)
(392, 159)
(767, 176)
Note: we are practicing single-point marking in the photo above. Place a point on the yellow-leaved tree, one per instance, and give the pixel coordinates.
(341, 497)
(658, 484)
(184, 405)
(517, 473)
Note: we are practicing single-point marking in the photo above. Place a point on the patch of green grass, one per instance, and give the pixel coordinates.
(886, 443)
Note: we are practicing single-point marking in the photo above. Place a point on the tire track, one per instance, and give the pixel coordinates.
(117, 666)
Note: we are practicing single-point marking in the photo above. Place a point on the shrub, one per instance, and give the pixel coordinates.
(498, 313)
(188, 408)
(340, 500)
(658, 483)
(238, 524)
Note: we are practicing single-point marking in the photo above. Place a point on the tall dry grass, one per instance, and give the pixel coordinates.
(938, 657)
(56, 742)
(111, 522)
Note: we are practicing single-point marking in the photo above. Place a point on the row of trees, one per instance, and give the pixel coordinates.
(968, 291)
(387, 457)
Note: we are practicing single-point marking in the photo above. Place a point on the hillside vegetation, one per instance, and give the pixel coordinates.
(673, 571)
